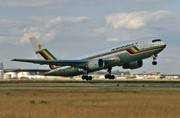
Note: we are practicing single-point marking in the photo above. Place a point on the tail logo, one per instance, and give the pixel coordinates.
(42, 51)
(39, 46)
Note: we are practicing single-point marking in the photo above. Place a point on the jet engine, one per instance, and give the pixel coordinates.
(133, 65)
(96, 64)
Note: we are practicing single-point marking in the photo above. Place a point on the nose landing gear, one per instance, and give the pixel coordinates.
(154, 63)
(154, 58)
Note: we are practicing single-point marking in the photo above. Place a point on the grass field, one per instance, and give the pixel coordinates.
(89, 103)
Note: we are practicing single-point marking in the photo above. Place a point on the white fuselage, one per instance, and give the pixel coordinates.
(117, 56)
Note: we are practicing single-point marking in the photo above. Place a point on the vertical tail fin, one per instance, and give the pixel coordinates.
(42, 52)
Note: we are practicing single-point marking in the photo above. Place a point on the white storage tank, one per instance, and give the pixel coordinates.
(23, 74)
(13, 74)
(7, 76)
(1, 74)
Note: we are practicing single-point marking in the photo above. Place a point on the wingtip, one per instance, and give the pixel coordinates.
(14, 59)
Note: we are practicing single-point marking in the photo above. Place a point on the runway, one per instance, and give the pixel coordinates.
(82, 87)
(91, 85)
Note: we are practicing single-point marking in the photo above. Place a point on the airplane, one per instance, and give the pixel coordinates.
(129, 56)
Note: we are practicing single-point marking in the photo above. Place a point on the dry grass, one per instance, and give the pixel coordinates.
(90, 103)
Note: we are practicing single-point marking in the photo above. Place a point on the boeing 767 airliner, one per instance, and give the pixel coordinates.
(129, 56)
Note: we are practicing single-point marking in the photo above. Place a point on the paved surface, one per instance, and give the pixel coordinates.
(90, 85)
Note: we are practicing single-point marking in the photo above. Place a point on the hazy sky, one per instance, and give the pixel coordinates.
(73, 27)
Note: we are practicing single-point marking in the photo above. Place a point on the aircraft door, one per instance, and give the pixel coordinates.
(142, 45)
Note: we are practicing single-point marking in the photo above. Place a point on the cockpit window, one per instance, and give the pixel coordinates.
(155, 40)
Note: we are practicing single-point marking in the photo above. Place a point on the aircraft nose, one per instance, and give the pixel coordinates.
(163, 44)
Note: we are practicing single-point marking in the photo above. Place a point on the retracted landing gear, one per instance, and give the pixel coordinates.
(109, 76)
(154, 58)
(86, 77)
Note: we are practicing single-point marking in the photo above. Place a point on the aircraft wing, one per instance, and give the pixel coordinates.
(25, 70)
(75, 63)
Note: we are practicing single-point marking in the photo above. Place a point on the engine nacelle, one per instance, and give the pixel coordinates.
(96, 64)
(133, 65)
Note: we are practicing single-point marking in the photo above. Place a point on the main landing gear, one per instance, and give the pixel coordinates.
(86, 77)
(154, 58)
(109, 76)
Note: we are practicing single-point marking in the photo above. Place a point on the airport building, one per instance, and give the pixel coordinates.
(99, 75)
